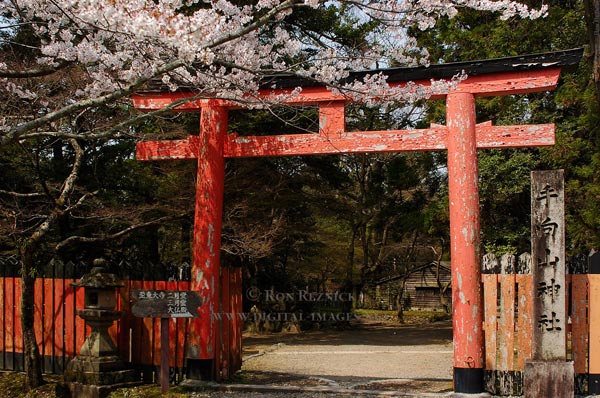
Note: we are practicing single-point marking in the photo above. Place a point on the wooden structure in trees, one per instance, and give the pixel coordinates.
(461, 137)
(421, 289)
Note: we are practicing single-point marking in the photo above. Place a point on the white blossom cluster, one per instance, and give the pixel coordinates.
(220, 48)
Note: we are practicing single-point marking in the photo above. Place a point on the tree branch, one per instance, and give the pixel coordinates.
(67, 188)
(85, 239)
(25, 74)
(256, 24)
(16, 132)
(69, 183)
(21, 195)
(115, 131)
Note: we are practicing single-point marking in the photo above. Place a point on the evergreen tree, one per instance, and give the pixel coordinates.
(504, 174)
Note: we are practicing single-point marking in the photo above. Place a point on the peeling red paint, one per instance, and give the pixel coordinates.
(464, 230)
(207, 225)
(349, 142)
(332, 121)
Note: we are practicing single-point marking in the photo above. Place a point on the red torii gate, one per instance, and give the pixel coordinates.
(461, 137)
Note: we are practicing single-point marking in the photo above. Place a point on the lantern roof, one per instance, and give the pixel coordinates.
(99, 278)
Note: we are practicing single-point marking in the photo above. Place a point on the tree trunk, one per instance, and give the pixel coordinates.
(592, 19)
(400, 300)
(27, 249)
(31, 353)
(349, 285)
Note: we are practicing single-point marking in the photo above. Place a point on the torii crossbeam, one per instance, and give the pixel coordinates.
(461, 137)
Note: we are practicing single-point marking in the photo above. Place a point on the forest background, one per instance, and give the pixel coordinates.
(317, 222)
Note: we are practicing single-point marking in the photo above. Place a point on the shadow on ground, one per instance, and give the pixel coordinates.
(363, 332)
(431, 385)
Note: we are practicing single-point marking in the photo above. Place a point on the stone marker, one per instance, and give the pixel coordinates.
(548, 374)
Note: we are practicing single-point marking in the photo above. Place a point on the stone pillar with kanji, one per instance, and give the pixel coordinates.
(549, 374)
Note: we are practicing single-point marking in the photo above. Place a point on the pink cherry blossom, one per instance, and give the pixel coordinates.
(221, 48)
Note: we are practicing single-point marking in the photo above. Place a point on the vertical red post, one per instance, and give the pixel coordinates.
(224, 340)
(467, 302)
(207, 240)
(237, 325)
(164, 355)
(594, 325)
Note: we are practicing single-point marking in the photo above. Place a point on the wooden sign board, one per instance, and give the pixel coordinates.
(165, 303)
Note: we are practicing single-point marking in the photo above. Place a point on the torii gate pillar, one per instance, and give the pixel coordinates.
(463, 192)
(205, 278)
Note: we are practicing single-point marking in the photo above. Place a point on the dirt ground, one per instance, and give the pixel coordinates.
(371, 354)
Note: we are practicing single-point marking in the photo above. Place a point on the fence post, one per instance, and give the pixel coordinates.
(525, 311)
(594, 324)
(508, 323)
(578, 270)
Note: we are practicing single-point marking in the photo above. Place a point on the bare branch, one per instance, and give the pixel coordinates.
(81, 201)
(116, 130)
(66, 190)
(85, 239)
(16, 132)
(69, 183)
(22, 195)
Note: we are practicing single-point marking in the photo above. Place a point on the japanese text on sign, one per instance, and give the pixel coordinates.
(165, 303)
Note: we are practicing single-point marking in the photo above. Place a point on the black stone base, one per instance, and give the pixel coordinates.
(200, 369)
(594, 384)
(468, 380)
(504, 382)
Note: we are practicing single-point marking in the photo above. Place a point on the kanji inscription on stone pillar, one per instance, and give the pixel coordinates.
(548, 248)
(548, 374)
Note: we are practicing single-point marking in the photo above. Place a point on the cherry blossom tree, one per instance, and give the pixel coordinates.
(224, 49)
(216, 47)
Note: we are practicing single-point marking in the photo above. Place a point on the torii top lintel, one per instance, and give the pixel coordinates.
(491, 77)
(504, 76)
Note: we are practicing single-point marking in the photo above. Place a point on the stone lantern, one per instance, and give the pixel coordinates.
(98, 369)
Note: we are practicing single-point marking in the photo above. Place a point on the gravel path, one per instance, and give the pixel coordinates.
(370, 355)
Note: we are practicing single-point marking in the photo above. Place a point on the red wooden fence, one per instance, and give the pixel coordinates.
(507, 325)
(508, 322)
(60, 332)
